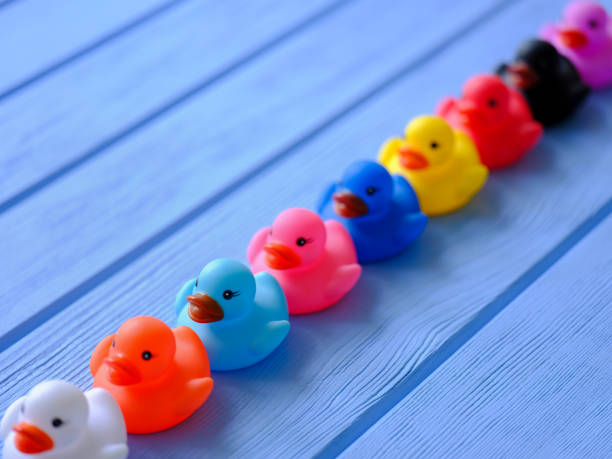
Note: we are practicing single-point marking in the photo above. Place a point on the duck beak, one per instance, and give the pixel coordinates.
(29, 439)
(349, 205)
(412, 159)
(121, 370)
(279, 256)
(573, 38)
(468, 109)
(522, 76)
(203, 309)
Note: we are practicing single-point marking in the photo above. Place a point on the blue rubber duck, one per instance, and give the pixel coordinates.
(240, 317)
(380, 211)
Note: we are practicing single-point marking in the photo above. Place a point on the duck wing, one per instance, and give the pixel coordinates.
(100, 353)
(11, 417)
(181, 297)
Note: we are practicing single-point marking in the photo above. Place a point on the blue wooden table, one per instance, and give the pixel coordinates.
(142, 139)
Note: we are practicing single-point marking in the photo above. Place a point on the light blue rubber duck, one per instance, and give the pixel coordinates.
(240, 318)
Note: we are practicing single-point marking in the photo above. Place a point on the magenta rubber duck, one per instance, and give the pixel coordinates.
(584, 36)
(496, 117)
(314, 261)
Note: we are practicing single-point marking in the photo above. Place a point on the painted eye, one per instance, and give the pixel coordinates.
(23, 407)
(492, 103)
(434, 145)
(301, 242)
(197, 280)
(370, 190)
(593, 24)
(57, 422)
(113, 344)
(146, 355)
(228, 295)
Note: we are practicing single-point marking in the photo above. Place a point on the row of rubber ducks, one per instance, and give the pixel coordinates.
(149, 377)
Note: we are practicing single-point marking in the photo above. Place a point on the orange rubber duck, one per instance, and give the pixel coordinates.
(157, 375)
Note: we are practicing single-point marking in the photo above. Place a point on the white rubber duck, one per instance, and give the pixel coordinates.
(56, 420)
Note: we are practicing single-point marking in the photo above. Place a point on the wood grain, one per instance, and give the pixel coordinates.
(147, 183)
(336, 364)
(79, 112)
(37, 35)
(535, 382)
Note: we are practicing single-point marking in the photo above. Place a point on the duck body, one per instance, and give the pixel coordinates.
(314, 262)
(496, 117)
(160, 391)
(445, 178)
(380, 212)
(584, 36)
(255, 315)
(548, 81)
(90, 425)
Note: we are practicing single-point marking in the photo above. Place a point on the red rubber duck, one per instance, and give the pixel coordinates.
(497, 118)
(157, 375)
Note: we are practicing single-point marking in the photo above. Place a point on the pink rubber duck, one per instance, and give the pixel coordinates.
(584, 36)
(314, 261)
(496, 117)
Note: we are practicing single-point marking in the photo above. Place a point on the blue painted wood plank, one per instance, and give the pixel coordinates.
(37, 36)
(122, 203)
(535, 382)
(78, 113)
(337, 364)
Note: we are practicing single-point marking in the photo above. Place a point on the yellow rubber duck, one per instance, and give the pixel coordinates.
(441, 164)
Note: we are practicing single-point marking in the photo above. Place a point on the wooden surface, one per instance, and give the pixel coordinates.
(152, 137)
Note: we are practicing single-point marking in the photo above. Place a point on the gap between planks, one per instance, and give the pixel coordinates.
(163, 8)
(52, 309)
(391, 398)
(174, 103)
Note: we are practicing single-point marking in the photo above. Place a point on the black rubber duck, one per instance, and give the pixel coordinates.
(549, 81)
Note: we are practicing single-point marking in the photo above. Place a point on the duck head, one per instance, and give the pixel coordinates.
(142, 350)
(485, 101)
(297, 238)
(429, 144)
(224, 290)
(366, 190)
(585, 27)
(537, 62)
(51, 417)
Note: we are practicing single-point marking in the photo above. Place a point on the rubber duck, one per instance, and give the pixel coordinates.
(381, 212)
(496, 117)
(240, 318)
(548, 80)
(157, 375)
(313, 261)
(584, 36)
(56, 420)
(441, 164)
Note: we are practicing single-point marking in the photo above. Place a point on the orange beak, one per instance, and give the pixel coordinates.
(203, 309)
(29, 439)
(412, 159)
(349, 205)
(279, 256)
(522, 76)
(121, 370)
(573, 38)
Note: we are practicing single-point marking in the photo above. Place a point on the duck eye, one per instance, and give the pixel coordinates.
(197, 280)
(113, 343)
(228, 294)
(492, 103)
(370, 190)
(56, 422)
(23, 407)
(593, 24)
(146, 355)
(434, 145)
(301, 242)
